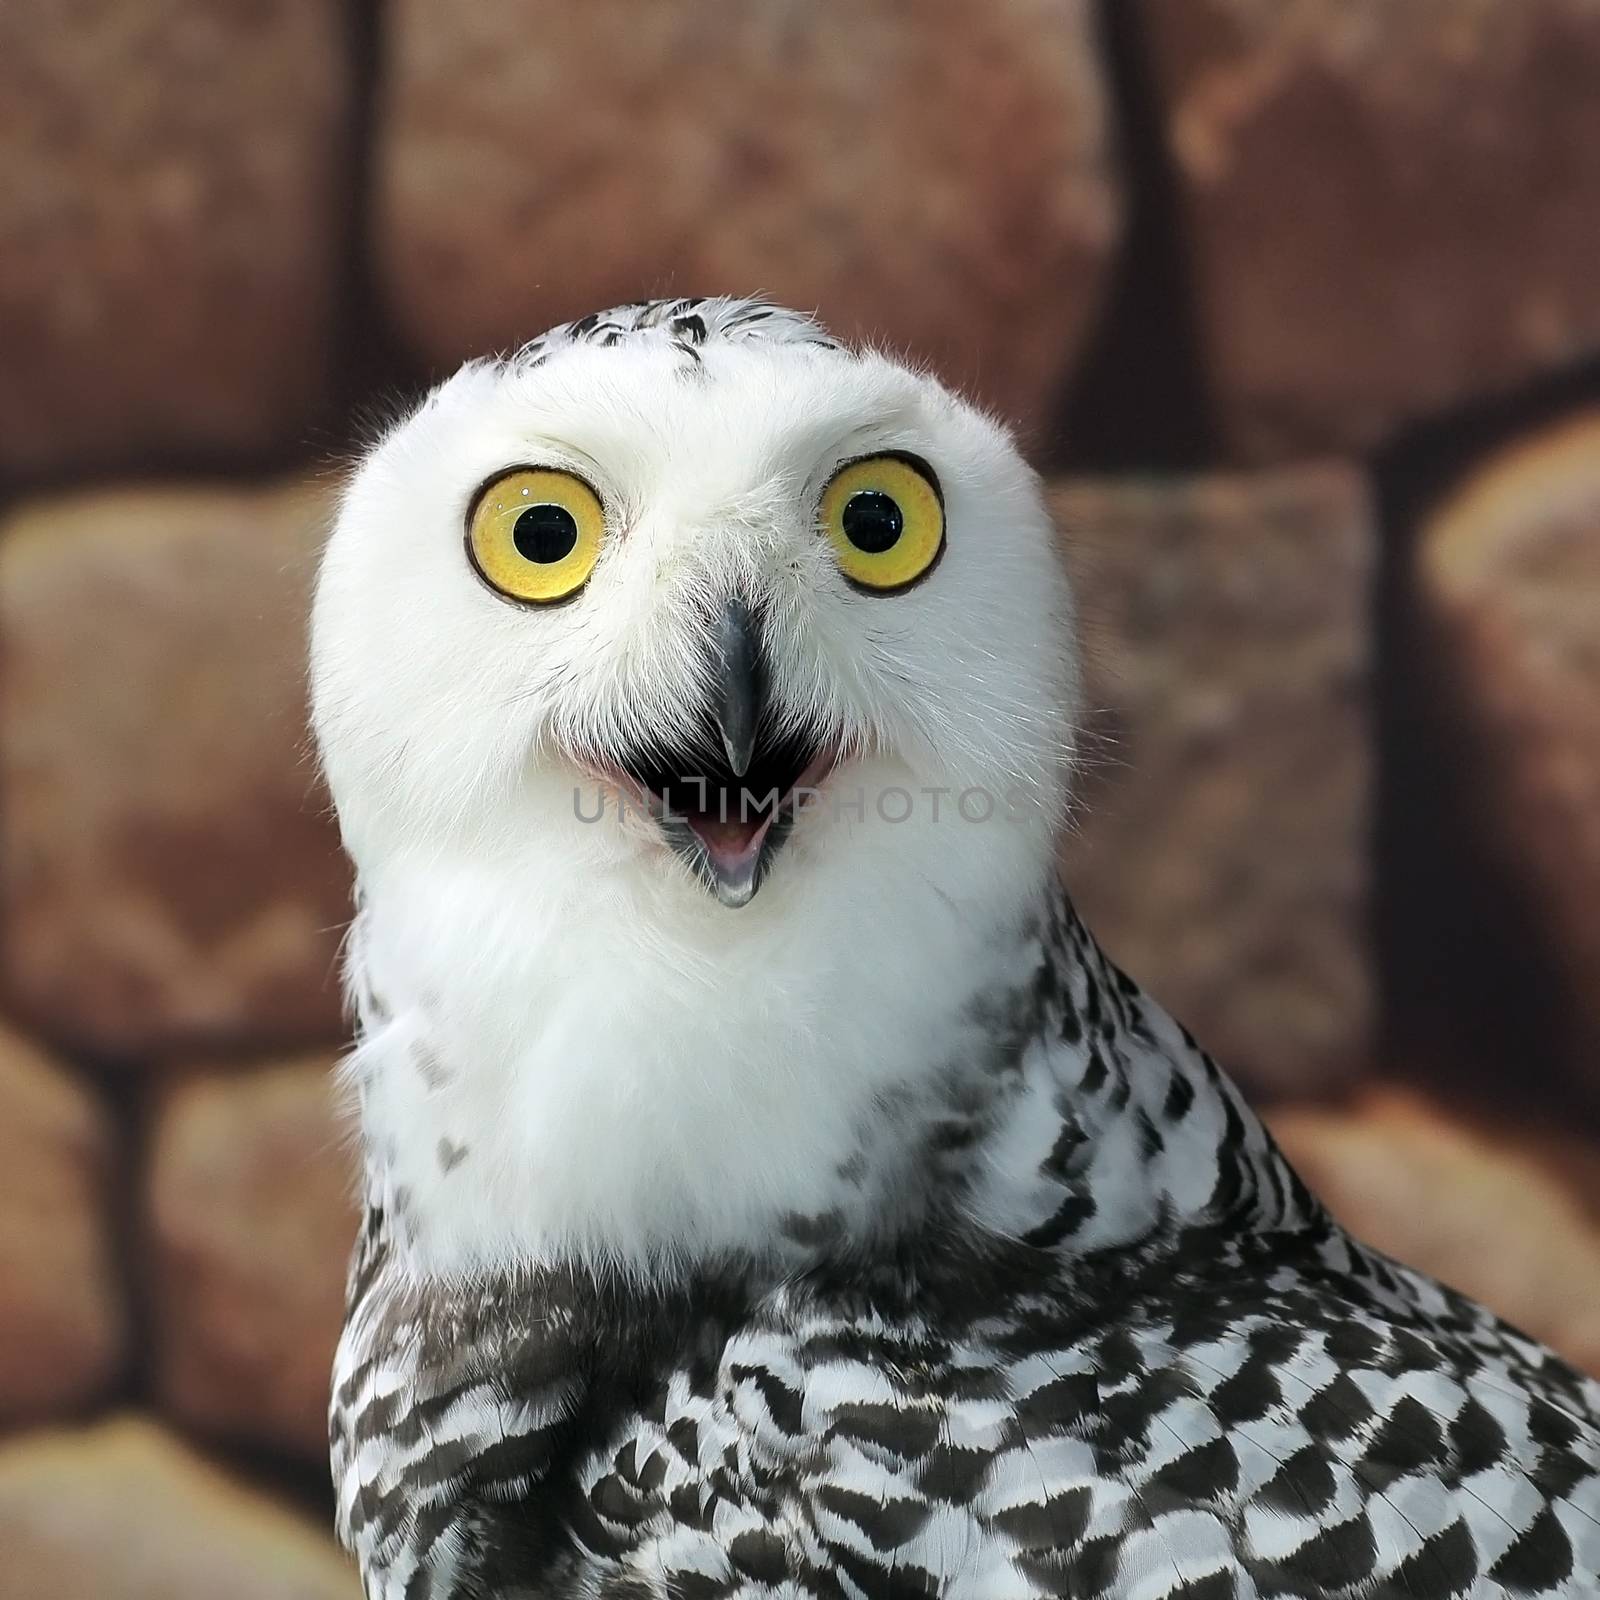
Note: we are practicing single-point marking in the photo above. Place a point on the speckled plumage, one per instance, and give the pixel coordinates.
(1067, 1326)
(1207, 1391)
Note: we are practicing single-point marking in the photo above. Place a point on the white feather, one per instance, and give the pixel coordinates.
(625, 1070)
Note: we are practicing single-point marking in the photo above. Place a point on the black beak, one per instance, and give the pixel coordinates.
(739, 684)
(726, 813)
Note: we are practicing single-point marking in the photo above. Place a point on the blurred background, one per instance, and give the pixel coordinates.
(1296, 304)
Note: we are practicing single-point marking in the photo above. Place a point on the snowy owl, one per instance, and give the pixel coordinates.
(770, 1188)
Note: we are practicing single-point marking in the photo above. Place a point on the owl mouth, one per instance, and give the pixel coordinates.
(728, 826)
(728, 796)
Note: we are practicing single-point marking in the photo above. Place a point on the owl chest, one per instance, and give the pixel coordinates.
(801, 1458)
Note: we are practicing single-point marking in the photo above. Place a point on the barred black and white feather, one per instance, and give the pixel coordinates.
(1201, 1389)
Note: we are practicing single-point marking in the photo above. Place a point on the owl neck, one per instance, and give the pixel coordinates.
(1116, 1130)
(1033, 1094)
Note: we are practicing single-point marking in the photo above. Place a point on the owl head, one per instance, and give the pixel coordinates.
(690, 600)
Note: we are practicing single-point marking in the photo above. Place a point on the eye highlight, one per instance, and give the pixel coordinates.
(535, 534)
(884, 517)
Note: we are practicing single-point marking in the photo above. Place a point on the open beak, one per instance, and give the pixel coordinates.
(726, 798)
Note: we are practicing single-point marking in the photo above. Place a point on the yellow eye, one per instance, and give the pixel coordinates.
(885, 519)
(535, 534)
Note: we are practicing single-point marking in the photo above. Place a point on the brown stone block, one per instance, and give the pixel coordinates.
(170, 226)
(62, 1323)
(250, 1209)
(935, 176)
(169, 875)
(1508, 581)
(1221, 848)
(124, 1510)
(1389, 208)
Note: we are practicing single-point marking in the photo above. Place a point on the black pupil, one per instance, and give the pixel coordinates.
(873, 521)
(545, 533)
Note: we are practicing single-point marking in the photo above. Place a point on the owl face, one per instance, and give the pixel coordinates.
(692, 597)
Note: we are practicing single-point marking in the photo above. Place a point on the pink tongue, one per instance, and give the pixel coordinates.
(732, 841)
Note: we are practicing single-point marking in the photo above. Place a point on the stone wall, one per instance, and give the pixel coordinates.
(1296, 303)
